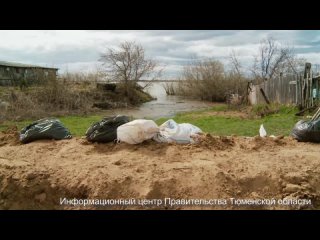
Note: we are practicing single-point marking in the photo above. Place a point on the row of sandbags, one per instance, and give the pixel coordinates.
(118, 128)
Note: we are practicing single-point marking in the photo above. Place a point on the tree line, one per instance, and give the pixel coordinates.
(207, 79)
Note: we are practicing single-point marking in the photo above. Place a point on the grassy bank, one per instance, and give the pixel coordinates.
(57, 98)
(218, 120)
(280, 123)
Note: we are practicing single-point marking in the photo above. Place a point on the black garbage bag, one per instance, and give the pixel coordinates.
(44, 129)
(106, 130)
(307, 131)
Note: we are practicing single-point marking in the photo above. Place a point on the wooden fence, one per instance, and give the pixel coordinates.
(298, 89)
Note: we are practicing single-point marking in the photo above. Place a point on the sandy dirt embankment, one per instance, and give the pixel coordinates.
(38, 174)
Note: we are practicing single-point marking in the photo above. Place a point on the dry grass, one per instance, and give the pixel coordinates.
(62, 96)
(46, 100)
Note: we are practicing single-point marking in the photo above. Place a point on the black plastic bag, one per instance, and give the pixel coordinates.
(106, 130)
(307, 131)
(44, 129)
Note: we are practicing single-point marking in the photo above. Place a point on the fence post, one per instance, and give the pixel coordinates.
(264, 96)
(296, 89)
(280, 88)
(311, 89)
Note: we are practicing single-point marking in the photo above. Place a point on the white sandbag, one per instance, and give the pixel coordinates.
(137, 131)
(170, 131)
(262, 131)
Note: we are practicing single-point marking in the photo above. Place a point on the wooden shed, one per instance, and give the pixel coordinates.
(12, 73)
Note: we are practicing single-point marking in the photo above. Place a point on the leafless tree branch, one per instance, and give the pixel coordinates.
(128, 64)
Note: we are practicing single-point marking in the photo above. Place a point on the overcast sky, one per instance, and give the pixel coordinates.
(79, 50)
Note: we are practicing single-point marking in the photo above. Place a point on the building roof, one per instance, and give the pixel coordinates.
(21, 65)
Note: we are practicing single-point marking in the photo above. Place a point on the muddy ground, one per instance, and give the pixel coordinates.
(39, 174)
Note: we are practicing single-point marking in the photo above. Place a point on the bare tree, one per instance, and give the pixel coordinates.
(169, 87)
(205, 79)
(236, 70)
(296, 64)
(128, 64)
(273, 58)
(235, 63)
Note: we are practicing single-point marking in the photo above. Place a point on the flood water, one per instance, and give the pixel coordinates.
(164, 106)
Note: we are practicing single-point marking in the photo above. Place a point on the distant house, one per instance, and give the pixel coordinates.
(12, 73)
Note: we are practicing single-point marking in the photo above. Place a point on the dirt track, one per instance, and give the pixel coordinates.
(37, 175)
